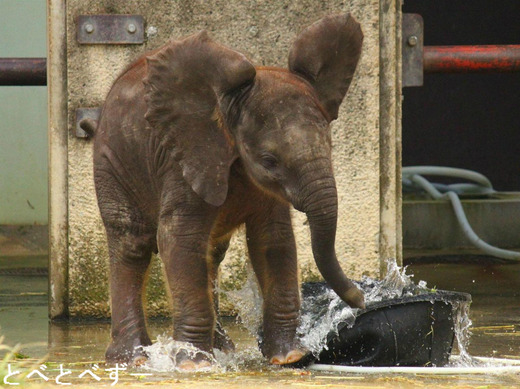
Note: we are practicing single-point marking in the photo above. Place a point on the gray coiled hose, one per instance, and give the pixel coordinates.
(413, 179)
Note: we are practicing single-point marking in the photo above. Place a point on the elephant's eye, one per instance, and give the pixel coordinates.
(268, 161)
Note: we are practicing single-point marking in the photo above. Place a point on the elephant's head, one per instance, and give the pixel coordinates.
(214, 106)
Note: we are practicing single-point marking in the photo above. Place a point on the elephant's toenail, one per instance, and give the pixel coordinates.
(294, 356)
(278, 360)
(139, 360)
(187, 365)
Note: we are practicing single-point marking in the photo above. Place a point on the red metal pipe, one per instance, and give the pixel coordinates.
(471, 59)
(23, 71)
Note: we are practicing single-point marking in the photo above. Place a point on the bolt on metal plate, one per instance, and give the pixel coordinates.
(412, 50)
(110, 29)
(85, 113)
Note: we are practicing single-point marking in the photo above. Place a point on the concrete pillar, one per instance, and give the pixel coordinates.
(58, 159)
(366, 135)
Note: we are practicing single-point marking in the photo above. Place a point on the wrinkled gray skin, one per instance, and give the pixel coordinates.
(194, 141)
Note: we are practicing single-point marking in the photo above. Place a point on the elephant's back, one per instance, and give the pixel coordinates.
(124, 106)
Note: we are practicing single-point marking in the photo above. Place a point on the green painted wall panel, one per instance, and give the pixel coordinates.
(23, 118)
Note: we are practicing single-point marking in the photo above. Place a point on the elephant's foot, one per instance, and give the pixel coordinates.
(190, 361)
(283, 353)
(291, 357)
(190, 365)
(222, 341)
(129, 351)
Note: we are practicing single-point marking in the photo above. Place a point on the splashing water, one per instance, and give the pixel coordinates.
(323, 311)
(396, 284)
(463, 333)
(162, 357)
(248, 303)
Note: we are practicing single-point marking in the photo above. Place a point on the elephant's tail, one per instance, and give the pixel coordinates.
(89, 126)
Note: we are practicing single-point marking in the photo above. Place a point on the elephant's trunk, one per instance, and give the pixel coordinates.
(321, 207)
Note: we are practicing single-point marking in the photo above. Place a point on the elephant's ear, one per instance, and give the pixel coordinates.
(326, 54)
(184, 86)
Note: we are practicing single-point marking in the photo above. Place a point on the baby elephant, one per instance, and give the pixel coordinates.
(194, 141)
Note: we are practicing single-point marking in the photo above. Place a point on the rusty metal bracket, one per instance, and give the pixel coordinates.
(412, 50)
(85, 113)
(110, 29)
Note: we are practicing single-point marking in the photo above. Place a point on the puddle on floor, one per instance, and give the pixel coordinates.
(495, 313)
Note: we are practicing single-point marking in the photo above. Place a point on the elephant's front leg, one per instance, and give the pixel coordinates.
(272, 250)
(183, 246)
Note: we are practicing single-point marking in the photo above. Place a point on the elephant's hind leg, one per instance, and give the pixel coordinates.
(131, 240)
(130, 254)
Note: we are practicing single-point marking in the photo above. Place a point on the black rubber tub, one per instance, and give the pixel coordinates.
(416, 330)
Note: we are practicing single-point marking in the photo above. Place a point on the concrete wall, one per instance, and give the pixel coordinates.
(23, 136)
(264, 31)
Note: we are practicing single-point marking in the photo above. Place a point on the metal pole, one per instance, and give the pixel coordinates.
(472, 59)
(23, 71)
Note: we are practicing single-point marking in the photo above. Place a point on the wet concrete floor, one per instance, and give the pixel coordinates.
(79, 346)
